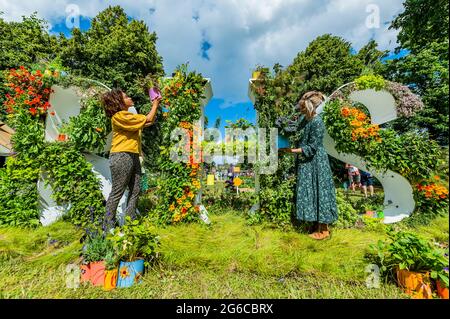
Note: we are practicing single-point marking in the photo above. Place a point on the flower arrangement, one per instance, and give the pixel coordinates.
(179, 183)
(407, 251)
(431, 196)
(370, 81)
(362, 129)
(135, 240)
(29, 90)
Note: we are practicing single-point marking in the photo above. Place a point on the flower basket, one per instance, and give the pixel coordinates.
(154, 93)
(415, 284)
(130, 273)
(442, 291)
(110, 279)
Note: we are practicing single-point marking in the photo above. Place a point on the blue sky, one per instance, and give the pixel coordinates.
(226, 39)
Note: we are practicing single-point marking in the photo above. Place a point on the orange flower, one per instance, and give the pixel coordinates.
(345, 112)
(428, 195)
(356, 123)
(176, 218)
(436, 177)
(443, 196)
(361, 117)
(98, 129)
(179, 201)
(183, 211)
(191, 195)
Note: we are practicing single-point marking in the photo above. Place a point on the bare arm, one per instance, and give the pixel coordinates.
(152, 114)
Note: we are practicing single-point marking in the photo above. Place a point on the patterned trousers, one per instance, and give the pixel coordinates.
(125, 172)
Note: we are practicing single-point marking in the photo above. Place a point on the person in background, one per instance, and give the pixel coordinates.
(316, 194)
(367, 181)
(354, 177)
(125, 150)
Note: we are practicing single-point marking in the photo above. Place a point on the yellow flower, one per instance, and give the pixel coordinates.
(124, 273)
(179, 201)
(191, 195)
(172, 207)
(188, 205)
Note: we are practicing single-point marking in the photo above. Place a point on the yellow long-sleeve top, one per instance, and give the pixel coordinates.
(127, 127)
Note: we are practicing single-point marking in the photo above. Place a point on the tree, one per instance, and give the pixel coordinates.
(115, 51)
(25, 43)
(424, 32)
(422, 22)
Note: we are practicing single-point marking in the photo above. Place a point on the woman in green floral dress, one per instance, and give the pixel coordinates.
(316, 195)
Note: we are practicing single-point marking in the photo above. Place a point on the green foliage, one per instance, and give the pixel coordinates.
(412, 154)
(277, 204)
(375, 82)
(424, 29)
(88, 131)
(405, 250)
(422, 22)
(178, 182)
(18, 193)
(135, 240)
(348, 216)
(115, 51)
(427, 72)
(73, 181)
(28, 139)
(98, 248)
(26, 42)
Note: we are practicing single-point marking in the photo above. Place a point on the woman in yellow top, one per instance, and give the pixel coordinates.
(125, 150)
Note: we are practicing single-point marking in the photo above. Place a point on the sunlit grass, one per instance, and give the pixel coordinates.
(228, 259)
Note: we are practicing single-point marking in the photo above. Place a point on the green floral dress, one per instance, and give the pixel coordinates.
(316, 195)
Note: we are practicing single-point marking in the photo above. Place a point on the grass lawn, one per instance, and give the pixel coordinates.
(225, 260)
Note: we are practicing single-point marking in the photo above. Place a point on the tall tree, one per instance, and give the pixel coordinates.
(422, 22)
(114, 50)
(424, 32)
(26, 42)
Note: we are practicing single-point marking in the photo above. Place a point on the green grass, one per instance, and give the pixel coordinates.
(225, 260)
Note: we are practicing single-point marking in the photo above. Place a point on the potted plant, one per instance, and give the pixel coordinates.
(151, 83)
(95, 250)
(135, 246)
(111, 271)
(413, 261)
(287, 126)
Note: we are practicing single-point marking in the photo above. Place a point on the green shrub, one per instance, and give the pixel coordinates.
(375, 82)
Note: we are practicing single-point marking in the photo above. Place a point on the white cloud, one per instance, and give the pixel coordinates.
(242, 33)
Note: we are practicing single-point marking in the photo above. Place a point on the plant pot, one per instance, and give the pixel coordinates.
(85, 273)
(442, 291)
(130, 273)
(110, 279)
(370, 213)
(415, 284)
(98, 273)
(154, 93)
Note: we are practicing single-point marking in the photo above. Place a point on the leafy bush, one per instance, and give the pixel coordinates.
(347, 214)
(88, 131)
(135, 240)
(371, 81)
(405, 250)
(18, 193)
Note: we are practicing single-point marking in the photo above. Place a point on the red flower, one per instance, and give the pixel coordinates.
(33, 111)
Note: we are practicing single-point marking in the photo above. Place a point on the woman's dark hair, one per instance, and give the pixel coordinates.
(113, 102)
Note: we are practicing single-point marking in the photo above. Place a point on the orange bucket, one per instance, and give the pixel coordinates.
(441, 290)
(415, 284)
(110, 279)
